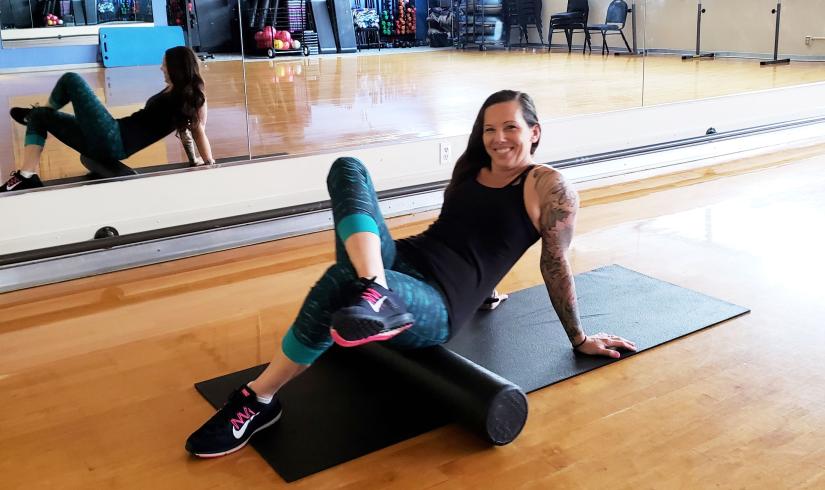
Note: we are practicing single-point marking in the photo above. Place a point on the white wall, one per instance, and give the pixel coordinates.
(738, 26)
(741, 26)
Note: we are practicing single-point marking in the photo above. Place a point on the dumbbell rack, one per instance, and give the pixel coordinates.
(390, 35)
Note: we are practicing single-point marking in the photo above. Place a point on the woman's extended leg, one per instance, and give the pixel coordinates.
(40, 121)
(91, 131)
(254, 407)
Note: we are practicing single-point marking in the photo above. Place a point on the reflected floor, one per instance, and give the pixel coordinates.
(299, 105)
(324, 103)
(669, 79)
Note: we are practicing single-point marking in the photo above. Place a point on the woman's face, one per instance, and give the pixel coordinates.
(165, 71)
(507, 136)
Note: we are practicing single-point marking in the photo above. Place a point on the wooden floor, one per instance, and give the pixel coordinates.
(302, 105)
(96, 374)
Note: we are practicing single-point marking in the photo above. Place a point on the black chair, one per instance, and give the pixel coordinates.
(524, 14)
(574, 19)
(613, 24)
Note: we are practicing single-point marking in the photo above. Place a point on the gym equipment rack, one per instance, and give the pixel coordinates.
(480, 24)
(284, 15)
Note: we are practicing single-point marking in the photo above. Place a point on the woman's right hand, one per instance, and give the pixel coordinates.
(602, 344)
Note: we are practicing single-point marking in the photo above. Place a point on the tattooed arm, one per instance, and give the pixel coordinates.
(189, 147)
(558, 204)
(199, 135)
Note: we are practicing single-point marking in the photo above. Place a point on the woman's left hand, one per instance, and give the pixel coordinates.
(602, 344)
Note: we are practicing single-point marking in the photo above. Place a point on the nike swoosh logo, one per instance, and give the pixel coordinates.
(239, 433)
(377, 306)
(10, 187)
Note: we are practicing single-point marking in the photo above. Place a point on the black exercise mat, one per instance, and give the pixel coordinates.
(346, 406)
(340, 409)
(523, 341)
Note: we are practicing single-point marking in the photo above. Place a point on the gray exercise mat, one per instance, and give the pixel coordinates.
(353, 402)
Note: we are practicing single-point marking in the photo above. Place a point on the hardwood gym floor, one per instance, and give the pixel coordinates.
(96, 374)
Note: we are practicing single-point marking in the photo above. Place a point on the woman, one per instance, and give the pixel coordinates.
(498, 203)
(103, 140)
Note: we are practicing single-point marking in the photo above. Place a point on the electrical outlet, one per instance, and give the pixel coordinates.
(445, 154)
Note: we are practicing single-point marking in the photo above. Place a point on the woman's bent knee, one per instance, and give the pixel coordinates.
(71, 77)
(345, 166)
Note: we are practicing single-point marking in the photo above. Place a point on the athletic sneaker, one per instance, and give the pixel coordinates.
(234, 424)
(17, 182)
(376, 313)
(20, 114)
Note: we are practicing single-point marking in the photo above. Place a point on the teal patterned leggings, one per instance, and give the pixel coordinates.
(91, 131)
(355, 207)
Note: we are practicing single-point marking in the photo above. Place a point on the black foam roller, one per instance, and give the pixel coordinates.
(106, 168)
(484, 402)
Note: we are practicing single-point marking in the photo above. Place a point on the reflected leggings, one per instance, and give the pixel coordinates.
(91, 131)
(355, 209)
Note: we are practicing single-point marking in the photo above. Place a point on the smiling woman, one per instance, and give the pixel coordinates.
(103, 140)
(506, 130)
(279, 128)
(505, 139)
(420, 291)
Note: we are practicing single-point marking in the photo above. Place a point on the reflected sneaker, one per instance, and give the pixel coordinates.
(20, 114)
(234, 424)
(376, 314)
(17, 182)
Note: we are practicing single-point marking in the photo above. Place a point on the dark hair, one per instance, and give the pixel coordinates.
(475, 157)
(187, 85)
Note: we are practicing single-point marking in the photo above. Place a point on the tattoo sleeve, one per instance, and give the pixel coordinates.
(558, 205)
(188, 146)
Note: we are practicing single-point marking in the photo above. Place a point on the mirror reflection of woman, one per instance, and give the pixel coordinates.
(102, 140)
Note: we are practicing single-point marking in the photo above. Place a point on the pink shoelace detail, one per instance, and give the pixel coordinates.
(371, 295)
(14, 180)
(242, 417)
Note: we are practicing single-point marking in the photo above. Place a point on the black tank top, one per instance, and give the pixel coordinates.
(479, 235)
(149, 124)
